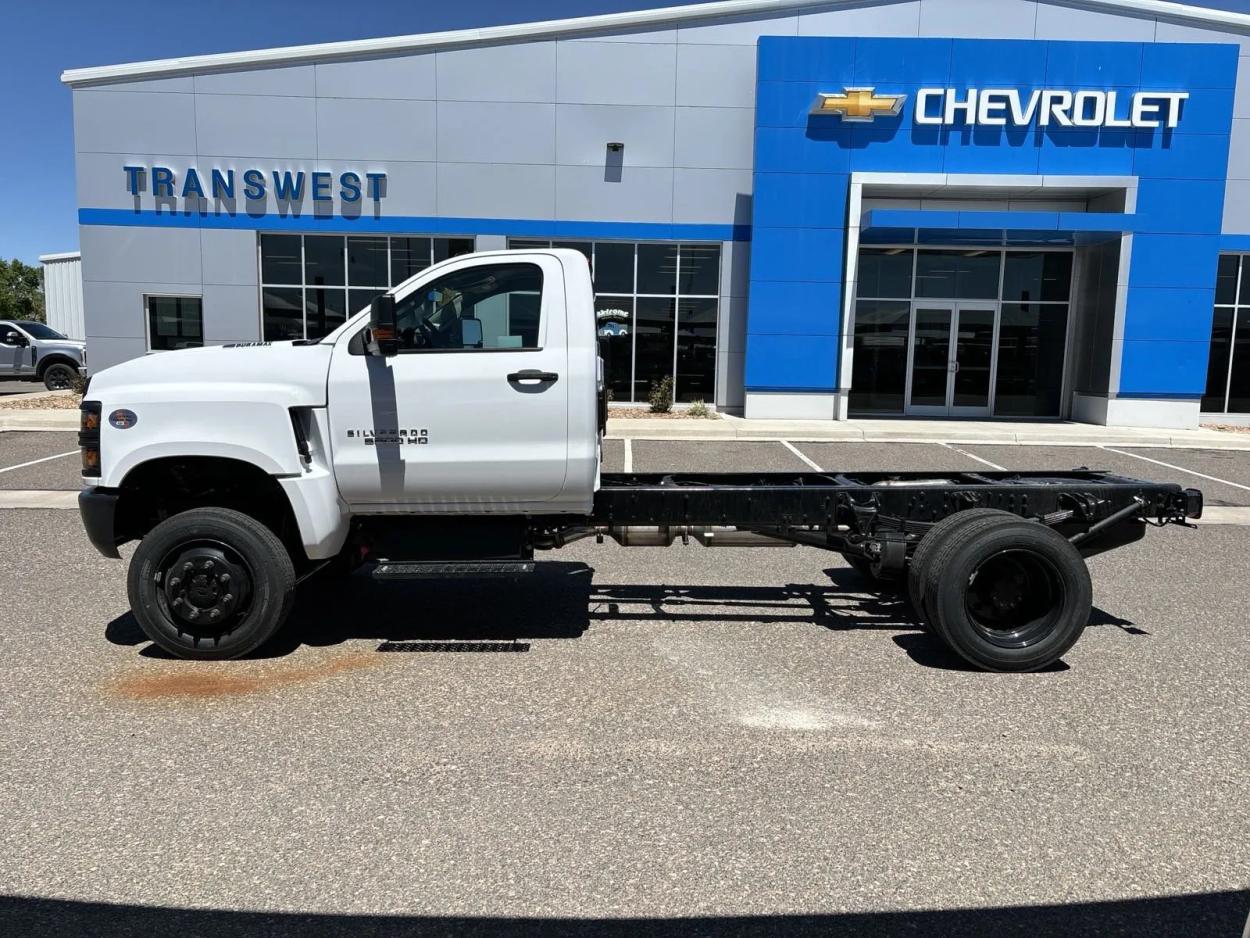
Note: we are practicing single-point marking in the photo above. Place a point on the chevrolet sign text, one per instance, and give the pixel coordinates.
(1001, 107)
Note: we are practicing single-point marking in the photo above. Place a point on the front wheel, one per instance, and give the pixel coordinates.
(210, 583)
(58, 377)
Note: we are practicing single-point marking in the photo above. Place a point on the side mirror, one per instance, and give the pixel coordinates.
(471, 333)
(383, 330)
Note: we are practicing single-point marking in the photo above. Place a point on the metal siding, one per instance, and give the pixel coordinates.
(409, 77)
(62, 289)
(478, 74)
(495, 132)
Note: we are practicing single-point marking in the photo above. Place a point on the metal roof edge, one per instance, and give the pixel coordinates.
(65, 256)
(552, 29)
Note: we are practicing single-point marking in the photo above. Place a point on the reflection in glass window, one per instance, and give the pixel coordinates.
(614, 267)
(323, 261)
(1031, 340)
(696, 349)
(325, 311)
(175, 322)
(645, 338)
(303, 277)
(283, 311)
(1032, 276)
(614, 319)
(366, 261)
(653, 343)
(884, 273)
(1217, 363)
(1226, 279)
(965, 275)
(879, 366)
(281, 259)
(657, 269)
(1228, 364)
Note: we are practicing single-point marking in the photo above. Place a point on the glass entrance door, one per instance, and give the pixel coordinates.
(952, 359)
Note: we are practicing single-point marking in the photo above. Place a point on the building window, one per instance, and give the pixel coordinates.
(657, 305)
(1011, 324)
(310, 284)
(174, 322)
(1228, 367)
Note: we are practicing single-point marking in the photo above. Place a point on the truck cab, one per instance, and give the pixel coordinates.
(33, 351)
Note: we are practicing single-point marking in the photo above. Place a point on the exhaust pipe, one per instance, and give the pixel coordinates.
(708, 535)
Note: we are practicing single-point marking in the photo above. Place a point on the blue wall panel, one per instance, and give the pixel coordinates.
(802, 163)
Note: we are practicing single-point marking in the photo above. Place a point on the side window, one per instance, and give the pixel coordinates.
(9, 336)
(175, 322)
(491, 306)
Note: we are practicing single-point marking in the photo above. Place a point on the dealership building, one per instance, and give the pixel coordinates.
(947, 208)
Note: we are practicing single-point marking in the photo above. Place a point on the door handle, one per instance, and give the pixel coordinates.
(533, 374)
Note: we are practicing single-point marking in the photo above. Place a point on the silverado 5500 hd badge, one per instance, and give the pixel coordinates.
(373, 437)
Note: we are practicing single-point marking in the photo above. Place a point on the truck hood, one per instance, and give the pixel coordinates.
(273, 372)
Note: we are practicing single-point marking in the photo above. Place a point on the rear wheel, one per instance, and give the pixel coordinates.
(210, 583)
(919, 567)
(1008, 594)
(58, 376)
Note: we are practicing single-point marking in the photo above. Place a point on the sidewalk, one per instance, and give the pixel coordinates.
(1056, 433)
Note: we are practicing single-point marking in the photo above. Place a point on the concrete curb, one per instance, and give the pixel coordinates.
(60, 499)
(38, 419)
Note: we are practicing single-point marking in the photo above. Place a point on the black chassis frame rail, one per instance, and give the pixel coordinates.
(875, 513)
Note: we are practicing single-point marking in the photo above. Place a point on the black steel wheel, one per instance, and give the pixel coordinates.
(918, 569)
(210, 583)
(58, 376)
(1009, 594)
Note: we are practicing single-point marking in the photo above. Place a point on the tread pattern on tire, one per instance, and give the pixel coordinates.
(275, 562)
(961, 540)
(921, 559)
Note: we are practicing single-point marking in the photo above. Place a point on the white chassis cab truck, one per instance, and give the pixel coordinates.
(454, 429)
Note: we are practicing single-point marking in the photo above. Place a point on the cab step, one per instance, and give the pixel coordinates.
(445, 569)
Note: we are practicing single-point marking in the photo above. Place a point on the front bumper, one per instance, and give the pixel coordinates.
(98, 507)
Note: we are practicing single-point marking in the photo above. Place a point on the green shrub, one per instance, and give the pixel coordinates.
(698, 409)
(661, 397)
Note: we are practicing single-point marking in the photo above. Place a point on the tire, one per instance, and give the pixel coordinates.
(1008, 594)
(919, 566)
(58, 376)
(174, 603)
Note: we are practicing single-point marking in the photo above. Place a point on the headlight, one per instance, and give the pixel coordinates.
(89, 436)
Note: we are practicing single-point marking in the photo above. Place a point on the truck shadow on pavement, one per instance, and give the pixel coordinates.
(560, 600)
(1209, 913)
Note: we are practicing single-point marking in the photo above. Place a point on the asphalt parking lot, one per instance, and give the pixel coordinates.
(645, 741)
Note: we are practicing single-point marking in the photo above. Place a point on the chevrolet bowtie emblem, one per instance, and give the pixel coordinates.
(858, 104)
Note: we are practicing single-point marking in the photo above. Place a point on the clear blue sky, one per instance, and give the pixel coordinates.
(43, 39)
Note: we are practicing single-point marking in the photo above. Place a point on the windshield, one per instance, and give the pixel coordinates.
(39, 331)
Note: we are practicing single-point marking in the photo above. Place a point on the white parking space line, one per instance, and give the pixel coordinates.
(1223, 514)
(794, 449)
(35, 462)
(1168, 465)
(963, 452)
(629, 455)
(18, 498)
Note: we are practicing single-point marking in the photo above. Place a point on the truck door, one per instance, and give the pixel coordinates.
(13, 351)
(472, 414)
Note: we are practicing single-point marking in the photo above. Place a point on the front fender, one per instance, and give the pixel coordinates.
(253, 432)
